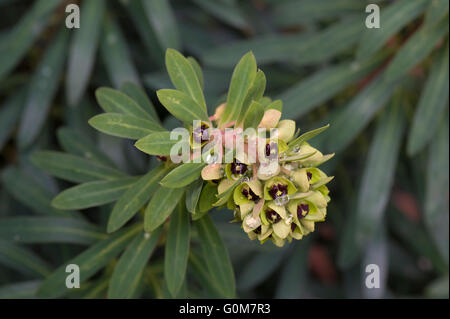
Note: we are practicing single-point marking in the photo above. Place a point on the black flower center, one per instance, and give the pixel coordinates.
(302, 210)
(257, 230)
(278, 190)
(272, 216)
(238, 168)
(271, 150)
(249, 194)
(309, 175)
(201, 134)
(293, 226)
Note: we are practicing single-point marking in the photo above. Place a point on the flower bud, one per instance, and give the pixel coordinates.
(270, 119)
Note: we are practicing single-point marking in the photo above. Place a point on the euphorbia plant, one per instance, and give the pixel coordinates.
(228, 159)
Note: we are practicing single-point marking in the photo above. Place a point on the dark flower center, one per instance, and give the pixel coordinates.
(258, 230)
(271, 150)
(302, 210)
(278, 190)
(293, 226)
(238, 168)
(201, 134)
(272, 216)
(309, 175)
(249, 194)
(161, 158)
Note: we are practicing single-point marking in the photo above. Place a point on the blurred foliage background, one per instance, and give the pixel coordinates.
(384, 92)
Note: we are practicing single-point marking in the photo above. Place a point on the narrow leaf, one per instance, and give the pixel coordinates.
(394, 17)
(82, 50)
(116, 55)
(23, 260)
(161, 206)
(241, 81)
(181, 105)
(38, 230)
(184, 77)
(182, 175)
(89, 261)
(216, 256)
(114, 101)
(158, 143)
(433, 100)
(42, 89)
(140, 97)
(93, 194)
(123, 125)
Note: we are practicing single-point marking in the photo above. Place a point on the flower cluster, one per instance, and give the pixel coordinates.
(280, 195)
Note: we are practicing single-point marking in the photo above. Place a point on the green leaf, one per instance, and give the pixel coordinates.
(158, 143)
(422, 245)
(145, 30)
(184, 77)
(73, 168)
(436, 11)
(303, 49)
(93, 194)
(379, 172)
(393, 18)
(23, 260)
(259, 268)
(75, 143)
(433, 100)
(228, 12)
(193, 192)
(24, 33)
(307, 136)
(182, 175)
(291, 13)
(206, 201)
(123, 125)
(202, 274)
(216, 256)
(9, 114)
(134, 198)
(114, 101)
(161, 206)
(38, 230)
(19, 290)
(182, 106)
(116, 55)
(255, 93)
(352, 119)
(90, 261)
(82, 50)
(254, 115)
(140, 97)
(197, 69)
(267, 49)
(162, 19)
(42, 89)
(241, 81)
(294, 274)
(125, 280)
(317, 88)
(418, 46)
(437, 184)
(29, 192)
(177, 249)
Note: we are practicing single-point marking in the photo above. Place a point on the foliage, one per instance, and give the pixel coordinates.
(384, 91)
